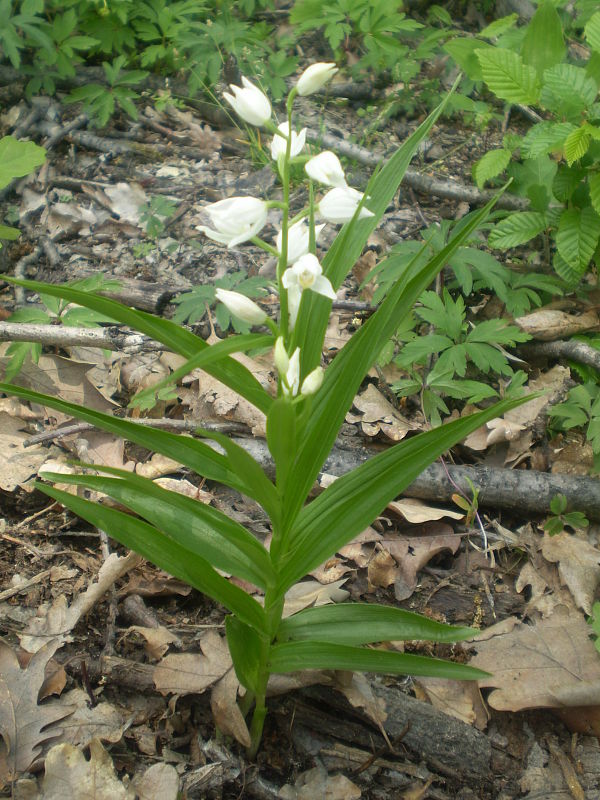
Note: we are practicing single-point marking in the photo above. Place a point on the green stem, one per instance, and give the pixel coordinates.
(274, 608)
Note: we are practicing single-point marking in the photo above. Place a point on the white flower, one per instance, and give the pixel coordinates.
(326, 168)
(307, 273)
(249, 103)
(279, 144)
(290, 378)
(298, 240)
(235, 220)
(314, 77)
(339, 205)
(312, 383)
(241, 306)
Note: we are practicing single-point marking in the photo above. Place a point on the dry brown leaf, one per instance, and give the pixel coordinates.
(378, 414)
(205, 140)
(225, 710)
(336, 335)
(102, 721)
(549, 324)
(550, 664)
(71, 218)
(157, 640)
(58, 620)
(25, 726)
(460, 699)
(357, 689)
(312, 593)
(318, 783)
(64, 378)
(158, 782)
(416, 511)
(17, 463)
(147, 581)
(515, 425)
(578, 565)
(69, 776)
(193, 673)
(382, 569)
(412, 553)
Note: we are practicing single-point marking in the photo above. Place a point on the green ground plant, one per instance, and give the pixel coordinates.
(557, 162)
(562, 518)
(196, 542)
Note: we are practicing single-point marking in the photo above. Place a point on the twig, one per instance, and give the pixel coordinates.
(448, 189)
(185, 426)
(578, 351)
(112, 338)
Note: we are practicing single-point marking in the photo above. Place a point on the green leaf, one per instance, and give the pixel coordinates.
(508, 77)
(176, 338)
(566, 180)
(210, 355)
(9, 233)
(516, 229)
(196, 455)
(594, 184)
(246, 649)
(353, 501)
(282, 438)
(259, 487)
(490, 165)
(462, 50)
(294, 656)
(576, 145)
(499, 26)
(166, 554)
(592, 31)
(577, 237)
(194, 525)
(545, 137)
(567, 91)
(18, 159)
(543, 45)
(366, 623)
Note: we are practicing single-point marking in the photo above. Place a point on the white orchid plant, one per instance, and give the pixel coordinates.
(203, 546)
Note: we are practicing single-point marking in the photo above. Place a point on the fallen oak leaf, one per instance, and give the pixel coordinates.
(25, 726)
(578, 565)
(550, 664)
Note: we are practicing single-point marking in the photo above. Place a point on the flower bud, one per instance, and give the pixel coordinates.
(249, 103)
(326, 168)
(280, 356)
(290, 380)
(339, 205)
(315, 77)
(312, 383)
(241, 306)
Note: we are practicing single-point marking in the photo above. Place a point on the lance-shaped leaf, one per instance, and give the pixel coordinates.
(179, 562)
(198, 456)
(366, 623)
(259, 486)
(353, 501)
(207, 357)
(344, 376)
(197, 527)
(173, 336)
(349, 243)
(293, 656)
